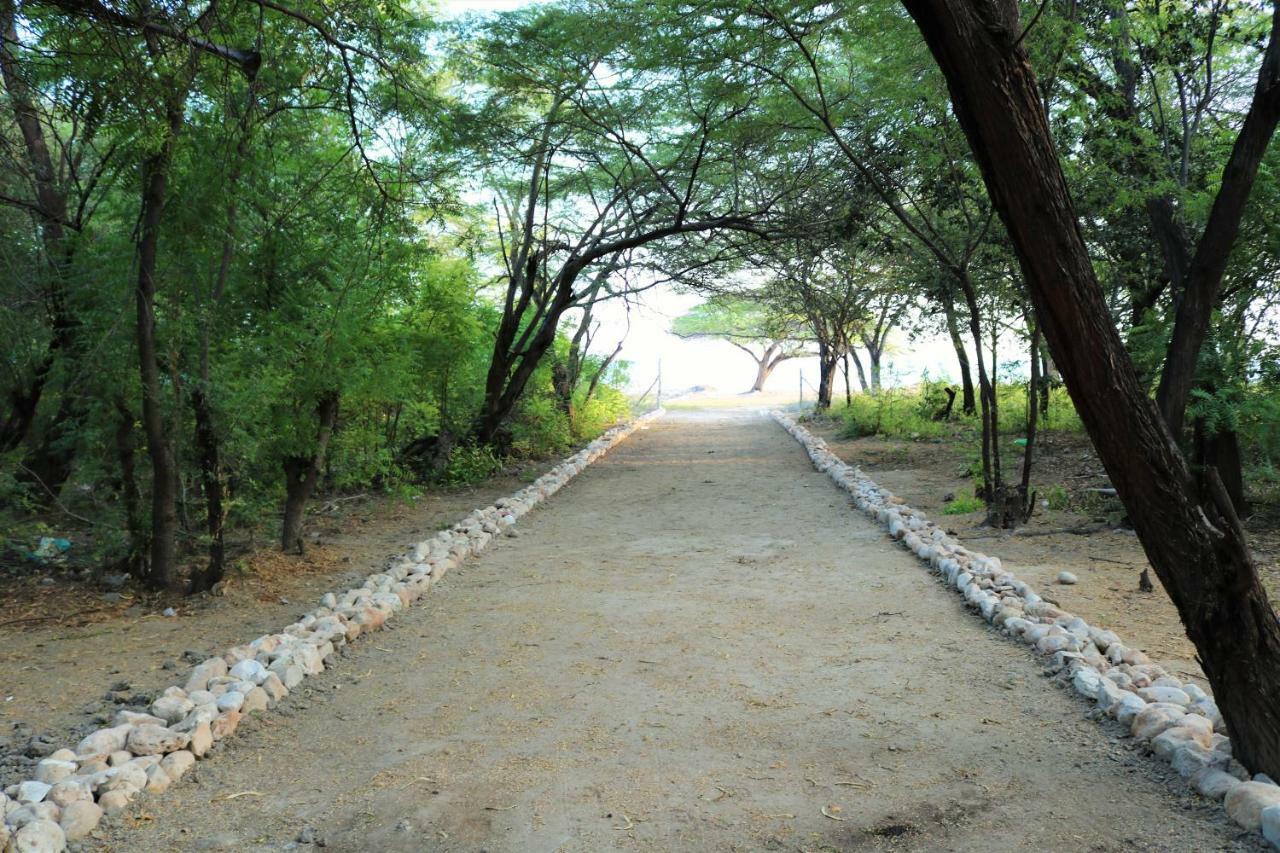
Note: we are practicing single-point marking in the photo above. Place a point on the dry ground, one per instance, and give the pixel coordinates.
(697, 645)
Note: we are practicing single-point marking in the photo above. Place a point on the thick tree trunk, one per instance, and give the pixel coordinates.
(50, 459)
(301, 473)
(164, 467)
(509, 374)
(1189, 530)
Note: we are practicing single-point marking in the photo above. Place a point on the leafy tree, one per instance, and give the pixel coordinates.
(767, 335)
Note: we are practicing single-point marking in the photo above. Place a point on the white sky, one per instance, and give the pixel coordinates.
(721, 366)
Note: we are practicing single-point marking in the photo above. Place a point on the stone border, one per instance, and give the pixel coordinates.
(1179, 722)
(73, 788)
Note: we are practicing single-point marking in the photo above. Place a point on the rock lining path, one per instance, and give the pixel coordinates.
(696, 645)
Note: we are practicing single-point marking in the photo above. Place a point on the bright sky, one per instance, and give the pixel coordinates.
(721, 366)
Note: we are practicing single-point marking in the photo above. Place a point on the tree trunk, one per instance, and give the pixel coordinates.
(301, 474)
(986, 394)
(129, 494)
(50, 459)
(211, 483)
(764, 366)
(848, 388)
(164, 467)
(862, 376)
(1188, 529)
(827, 359)
(873, 356)
(1220, 450)
(967, 402)
(1033, 415)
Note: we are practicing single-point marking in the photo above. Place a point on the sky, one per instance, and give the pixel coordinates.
(719, 365)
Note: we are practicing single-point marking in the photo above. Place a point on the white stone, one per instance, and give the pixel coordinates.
(126, 776)
(176, 764)
(172, 709)
(79, 819)
(1246, 801)
(104, 741)
(1192, 757)
(230, 701)
(1214, 783)
(1151, 721)
(52, 770)
(1164, 694)
(70, 791)
(32, 791)
(39, 836)
(155, 740)
(249, 670)
(1271, 825)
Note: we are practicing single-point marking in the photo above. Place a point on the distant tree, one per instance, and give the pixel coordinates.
(766, 334)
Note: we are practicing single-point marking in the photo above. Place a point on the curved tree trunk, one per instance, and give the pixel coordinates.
(764, 366)
(1187, 527)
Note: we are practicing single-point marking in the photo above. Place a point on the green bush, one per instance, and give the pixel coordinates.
(541, 428)
(471, 464)
(893, 413)
(963, 505)
(606, 407)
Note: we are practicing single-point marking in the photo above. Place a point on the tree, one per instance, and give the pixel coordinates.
(595, 156)
(767, 335)
(1186, 523)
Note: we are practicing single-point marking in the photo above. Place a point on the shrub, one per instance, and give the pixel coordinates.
(963, 505)
(471, 464)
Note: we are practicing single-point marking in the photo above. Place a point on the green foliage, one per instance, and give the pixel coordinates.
(1056, 496)
(471, 464)
(897, 413)
(963, 505)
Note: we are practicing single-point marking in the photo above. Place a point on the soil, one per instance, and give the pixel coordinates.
(72, 653)
(1088, 538)
(696, 645)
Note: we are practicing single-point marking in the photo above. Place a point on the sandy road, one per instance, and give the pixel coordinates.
(696, 645)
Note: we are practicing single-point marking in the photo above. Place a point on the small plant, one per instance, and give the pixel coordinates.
(471, 464)
(1056, 497)
(963, 505)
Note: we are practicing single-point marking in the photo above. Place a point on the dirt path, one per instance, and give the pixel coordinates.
(695, 646)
